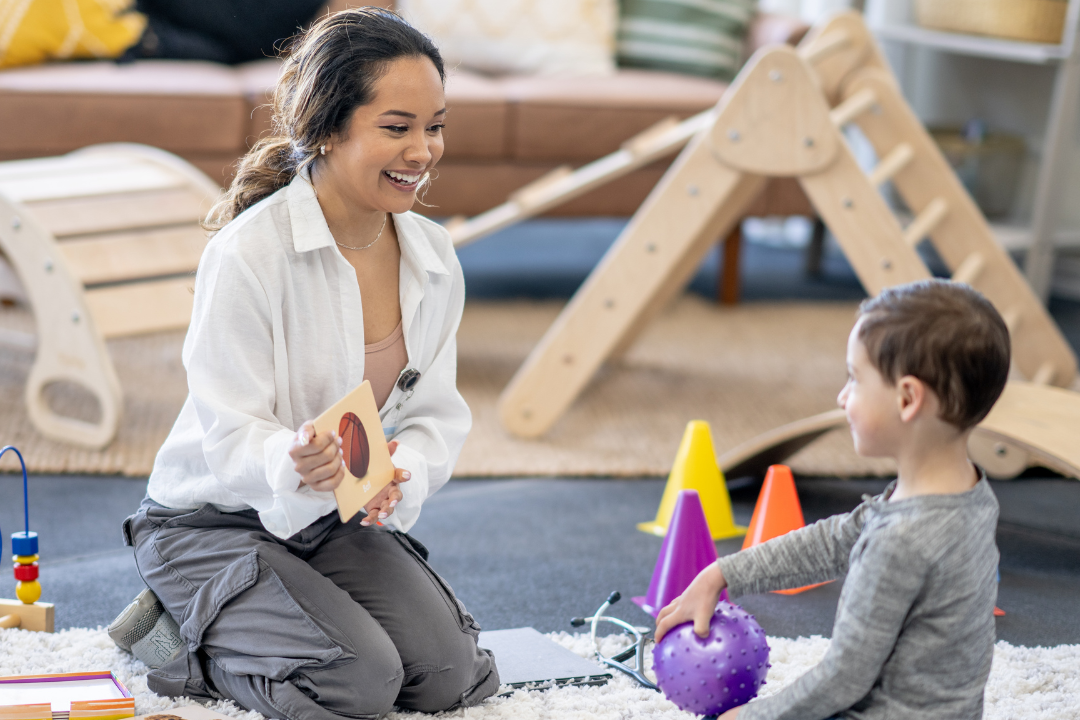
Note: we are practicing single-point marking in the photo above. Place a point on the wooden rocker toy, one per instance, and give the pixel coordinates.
(783, 117)
(105, 241)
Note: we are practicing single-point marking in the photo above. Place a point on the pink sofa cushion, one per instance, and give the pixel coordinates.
(257, 80)
(477, 118)
(181, 106)
(576, 119)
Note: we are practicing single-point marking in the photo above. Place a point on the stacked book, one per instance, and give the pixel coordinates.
(65, 696)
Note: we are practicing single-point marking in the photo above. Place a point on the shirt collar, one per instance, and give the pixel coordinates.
(309, 228)
(416, 246)
(310, 231)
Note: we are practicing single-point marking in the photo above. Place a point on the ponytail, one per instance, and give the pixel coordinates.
(268, 167)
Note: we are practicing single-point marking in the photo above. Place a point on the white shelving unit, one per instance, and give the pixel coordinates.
(893, 21)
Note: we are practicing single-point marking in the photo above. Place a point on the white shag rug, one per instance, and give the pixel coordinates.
(1042, 683)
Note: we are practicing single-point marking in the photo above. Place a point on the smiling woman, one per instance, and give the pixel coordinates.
(318, 277)
(329, 74)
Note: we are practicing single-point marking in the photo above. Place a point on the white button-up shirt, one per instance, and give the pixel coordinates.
(277, 337)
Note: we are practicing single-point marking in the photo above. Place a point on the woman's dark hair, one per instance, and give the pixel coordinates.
(328, 72)
(947, 335)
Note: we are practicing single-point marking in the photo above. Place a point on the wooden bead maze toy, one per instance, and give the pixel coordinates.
(783, 116)
(26, 612)
(105, 242)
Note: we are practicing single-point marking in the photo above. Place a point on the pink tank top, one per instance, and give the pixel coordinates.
(383, 362)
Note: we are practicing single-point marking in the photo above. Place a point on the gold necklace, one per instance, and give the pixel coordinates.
(365, 247)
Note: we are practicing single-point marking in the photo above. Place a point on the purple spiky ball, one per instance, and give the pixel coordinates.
(713, 674)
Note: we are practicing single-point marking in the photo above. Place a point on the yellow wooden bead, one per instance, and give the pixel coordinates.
(28, 592)
(25, 559)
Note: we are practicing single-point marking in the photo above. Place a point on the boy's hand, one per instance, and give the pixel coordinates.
(730, 714)
(697, 603)
(382, 505)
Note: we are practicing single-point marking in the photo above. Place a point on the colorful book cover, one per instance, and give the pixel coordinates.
(95, 695)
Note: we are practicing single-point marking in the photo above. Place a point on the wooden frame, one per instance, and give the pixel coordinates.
(39, 616)
(105, 242)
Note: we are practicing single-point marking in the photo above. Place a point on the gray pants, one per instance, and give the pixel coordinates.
(337, 621)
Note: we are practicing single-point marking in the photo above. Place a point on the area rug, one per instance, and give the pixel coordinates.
(745, 370)
(1036, 683)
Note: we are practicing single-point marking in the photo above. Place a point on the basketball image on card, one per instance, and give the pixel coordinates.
(354, 444)
(368, 468)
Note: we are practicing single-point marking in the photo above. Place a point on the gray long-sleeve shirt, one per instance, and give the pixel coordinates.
(914, 630)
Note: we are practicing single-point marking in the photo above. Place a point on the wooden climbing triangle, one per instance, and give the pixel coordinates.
(782, 116)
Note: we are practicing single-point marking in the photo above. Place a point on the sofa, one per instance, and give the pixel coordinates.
(502, 133)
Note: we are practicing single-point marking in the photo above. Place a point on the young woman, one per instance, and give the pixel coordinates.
(318, 278)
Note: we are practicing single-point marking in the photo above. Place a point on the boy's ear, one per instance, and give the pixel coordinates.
(911, 397)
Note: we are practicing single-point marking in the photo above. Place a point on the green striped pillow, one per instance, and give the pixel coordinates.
(698, 37)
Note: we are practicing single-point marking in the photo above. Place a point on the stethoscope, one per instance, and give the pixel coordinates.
(618, 660)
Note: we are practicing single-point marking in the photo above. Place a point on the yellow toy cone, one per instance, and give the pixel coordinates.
(695, 468)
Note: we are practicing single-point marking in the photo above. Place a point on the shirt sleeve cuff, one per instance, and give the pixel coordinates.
(414, 491)
(294, 505)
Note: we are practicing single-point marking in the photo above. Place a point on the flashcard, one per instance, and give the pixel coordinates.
(368, 468)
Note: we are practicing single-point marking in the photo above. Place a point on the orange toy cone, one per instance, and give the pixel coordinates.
(776, 513)
(695, 468)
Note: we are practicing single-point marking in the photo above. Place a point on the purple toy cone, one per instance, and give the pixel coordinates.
(687, 550)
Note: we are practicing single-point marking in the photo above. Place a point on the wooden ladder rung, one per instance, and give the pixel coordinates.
(133, 255)
(647, 139)
(455, 223)
(116, 213)
(145, 307)
(853, 107)
(1012, 320)
(1045, 374)
(61, 165)
(969, 269)
(17, 338)
(894, 162)
(92, 182)
(925, 222)
(534, 192)
(824, 46)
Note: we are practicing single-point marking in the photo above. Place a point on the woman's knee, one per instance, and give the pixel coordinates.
(461, 681)
(345, 690)
(368, 685)
(268, 617)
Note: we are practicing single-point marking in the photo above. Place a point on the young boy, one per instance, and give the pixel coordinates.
(914, 629)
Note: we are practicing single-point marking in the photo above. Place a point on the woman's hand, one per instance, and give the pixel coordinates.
(697, 603)
(382, 505)
(318, 458)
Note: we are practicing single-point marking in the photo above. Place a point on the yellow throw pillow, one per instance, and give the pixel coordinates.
(520, 36)
(36, 31)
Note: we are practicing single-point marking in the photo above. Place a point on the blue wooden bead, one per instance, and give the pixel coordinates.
(23, 543)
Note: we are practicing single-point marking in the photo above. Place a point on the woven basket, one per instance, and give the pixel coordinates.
(1040, 21)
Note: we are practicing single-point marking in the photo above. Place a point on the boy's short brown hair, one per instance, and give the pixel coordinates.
(947, 335)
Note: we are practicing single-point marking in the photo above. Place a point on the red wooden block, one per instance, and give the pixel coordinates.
(26, 573)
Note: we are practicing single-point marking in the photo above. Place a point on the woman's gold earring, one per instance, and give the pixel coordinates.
(322, 150)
